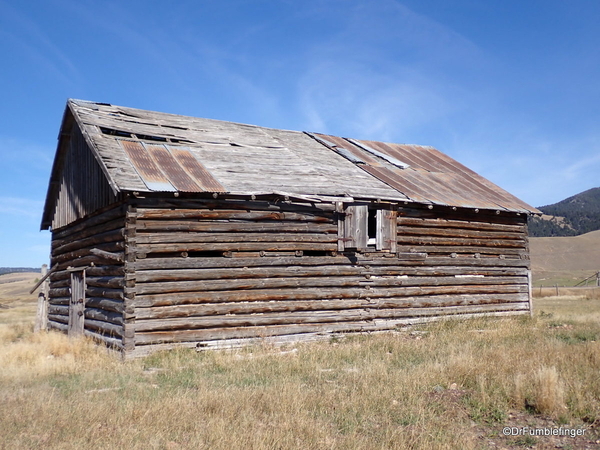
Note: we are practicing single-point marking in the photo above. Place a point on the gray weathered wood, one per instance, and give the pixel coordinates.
(77, 304)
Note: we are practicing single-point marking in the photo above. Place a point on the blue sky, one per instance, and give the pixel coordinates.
(510, 88)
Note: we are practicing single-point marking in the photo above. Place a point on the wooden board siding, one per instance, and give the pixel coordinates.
(72, 248)
(203, 272)
(83, 187)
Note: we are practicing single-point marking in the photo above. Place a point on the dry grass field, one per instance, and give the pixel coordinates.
(450, 385)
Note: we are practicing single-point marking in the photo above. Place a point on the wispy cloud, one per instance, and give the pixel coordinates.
(22, 208)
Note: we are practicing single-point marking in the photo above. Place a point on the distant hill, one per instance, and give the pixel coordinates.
(573, 216)
(564, 260)
(5, 270)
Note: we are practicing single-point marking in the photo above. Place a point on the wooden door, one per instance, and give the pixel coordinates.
(77, 304)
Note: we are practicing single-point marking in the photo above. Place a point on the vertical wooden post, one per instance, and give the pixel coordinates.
(598, 279)
(530, 283)
(128, 339)
(41, 318)
(339, 209)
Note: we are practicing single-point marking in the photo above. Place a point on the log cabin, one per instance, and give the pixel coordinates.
(178, 231)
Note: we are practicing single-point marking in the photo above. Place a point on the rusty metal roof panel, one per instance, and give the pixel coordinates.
(146, 167)
(196, 170)
(176, 174)
(443, 180)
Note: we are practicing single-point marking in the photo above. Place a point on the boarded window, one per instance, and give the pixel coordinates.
(386, 238)
(356, 226)
(366, 227)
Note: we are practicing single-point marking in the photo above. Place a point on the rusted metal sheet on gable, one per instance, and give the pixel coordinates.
(146, 167)
(201, 176)
(176, 175)
(165, 168)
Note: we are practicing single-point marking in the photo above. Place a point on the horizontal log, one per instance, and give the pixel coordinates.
(86, 261)
(241, 204)
(458, 259)
(99, 221)
(61, 310)
(263, 254)
(405, 230)
(91, 312)
(143, 276)
(70, 256)
(429, 249)
(245, 272)
(113, 294)
(77, 242)
(103, 316)
(216, 262)
(455, 241)
(465, 216)
(105, 282)
(230, 214)
(290, 245)
(317, 294)
(235, 227)
(53, 325)
(322, 282)
(105, 304)
(107, 255)
(308, 282)
(156, 337)
(192, 237)
(58, 318)
(91, 271)
(59, 300)
(59, 292)
(110, 329)
(108, 341)
(299, 317)
(459, 224)
(212, 309)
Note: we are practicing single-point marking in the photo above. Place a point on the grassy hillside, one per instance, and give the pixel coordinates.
(5, 270)
(564, 260)
(573, 216)
(15, 300)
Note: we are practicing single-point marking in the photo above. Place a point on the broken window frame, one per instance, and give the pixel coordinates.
(369, 227)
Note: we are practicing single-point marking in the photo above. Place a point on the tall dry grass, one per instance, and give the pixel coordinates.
(432, 387)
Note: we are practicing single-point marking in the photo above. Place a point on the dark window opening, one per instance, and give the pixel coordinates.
(316, 253)
(205, 254)
(112, 132)
(144, 137)
(372, 226)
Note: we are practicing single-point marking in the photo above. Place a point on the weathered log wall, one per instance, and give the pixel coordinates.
(214, 270)
(74, 248)
(480, 251)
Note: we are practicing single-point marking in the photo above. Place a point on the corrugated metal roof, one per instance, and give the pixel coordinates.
(149, 151)
(426, 175)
